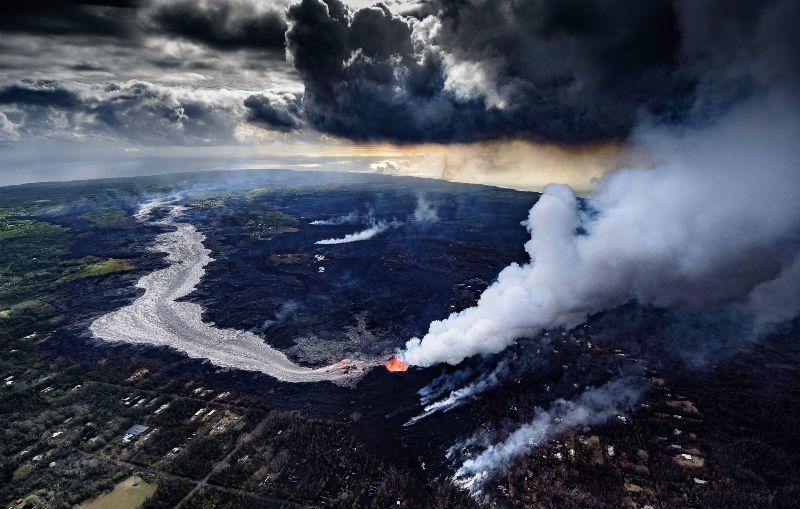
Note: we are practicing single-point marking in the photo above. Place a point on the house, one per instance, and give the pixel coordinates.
(134, 431)
(161, 408)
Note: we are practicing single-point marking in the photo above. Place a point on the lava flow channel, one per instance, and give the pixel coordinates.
(159, 318)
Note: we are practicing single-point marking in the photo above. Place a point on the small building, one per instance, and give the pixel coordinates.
(134, 431)
(161, 408)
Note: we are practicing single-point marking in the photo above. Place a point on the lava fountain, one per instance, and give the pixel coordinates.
(396, 365)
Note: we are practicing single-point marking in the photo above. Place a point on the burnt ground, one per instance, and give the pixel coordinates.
(734, 403)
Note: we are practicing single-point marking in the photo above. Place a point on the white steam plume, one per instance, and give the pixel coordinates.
(444, 383)
(372, 231)
(594, 406)
(461, 395)
(716, 221)
(349, 218)
(425, 212)
(287, 309)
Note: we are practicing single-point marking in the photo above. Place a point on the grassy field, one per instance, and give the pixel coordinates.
(129, 494)
(101, 268)
(108, 217)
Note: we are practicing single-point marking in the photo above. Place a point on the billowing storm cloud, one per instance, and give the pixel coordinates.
(225, 25)
(282, 112)
(443, 71)
(545, 69)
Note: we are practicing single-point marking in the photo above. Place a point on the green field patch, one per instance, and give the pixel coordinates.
(107, 217)
(24, 317)
(129, 494)
(102, 268)
(12, 228)
(28, 307)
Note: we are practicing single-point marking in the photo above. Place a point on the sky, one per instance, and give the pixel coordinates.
(517, 93)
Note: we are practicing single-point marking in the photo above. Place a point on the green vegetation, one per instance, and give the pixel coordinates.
(108, 217)
(129, 494)
(274, 220)
(41, 284)
(11, 229)
(24, 314)
(27, 244)
(33, 271)
(170, 491)
(101, 268)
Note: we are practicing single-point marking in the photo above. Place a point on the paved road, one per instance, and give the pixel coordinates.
(225, 462)
(268, 500)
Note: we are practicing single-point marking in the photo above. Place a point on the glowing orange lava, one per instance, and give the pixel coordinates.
(396, 365)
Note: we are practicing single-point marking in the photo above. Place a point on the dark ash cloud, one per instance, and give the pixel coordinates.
(362, 86)
(107, 18)
(567, 71)
(281, 112)
(42, 94)
(220, 24)
(224, 25)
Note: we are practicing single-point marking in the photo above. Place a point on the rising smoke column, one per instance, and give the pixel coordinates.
(460, 396)
(714, 222)
(595, 405)
(374, 230)
(349, 218)
(425, 211)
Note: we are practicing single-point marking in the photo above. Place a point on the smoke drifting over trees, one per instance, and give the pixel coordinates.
(595, 405)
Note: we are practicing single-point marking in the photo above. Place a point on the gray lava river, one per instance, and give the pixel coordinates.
(157, 318)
